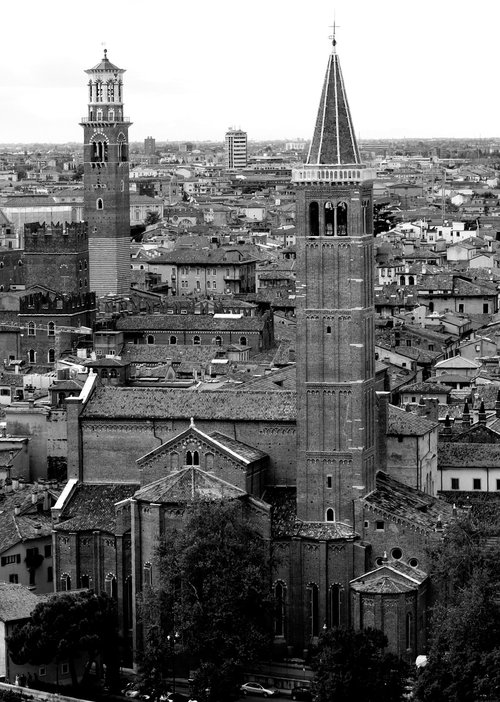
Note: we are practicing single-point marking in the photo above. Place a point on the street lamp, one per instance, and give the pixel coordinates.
(172, 638)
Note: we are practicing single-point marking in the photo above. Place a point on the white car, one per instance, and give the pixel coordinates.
(255, 688)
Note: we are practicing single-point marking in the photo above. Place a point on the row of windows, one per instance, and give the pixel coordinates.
(217, 341)
(14, 577)
(110, 583)
(51, 329)
(51, 356)
(334, 220)
(99, 150)
(185, 270)
(476, 484)
(333, 614)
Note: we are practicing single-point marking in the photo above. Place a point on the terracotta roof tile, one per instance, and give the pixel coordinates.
(128, 403)
(398, 501)
(16, 602)
(193, 322)
(92, 507)
(407, 423)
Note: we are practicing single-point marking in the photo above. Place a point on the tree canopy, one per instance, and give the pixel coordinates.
(465, 627)
(67, 626)
(213, 600)
(353, 665)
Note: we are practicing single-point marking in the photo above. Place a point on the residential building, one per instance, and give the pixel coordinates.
(235, 149)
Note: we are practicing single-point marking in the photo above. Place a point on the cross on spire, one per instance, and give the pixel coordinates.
(332, 35)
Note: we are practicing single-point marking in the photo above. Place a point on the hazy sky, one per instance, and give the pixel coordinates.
(195, 67)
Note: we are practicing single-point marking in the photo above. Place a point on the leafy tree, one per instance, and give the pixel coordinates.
(353, 665)
(465, 628)
(67, 626)
(77, 174)
(213, 600)
(151, 218)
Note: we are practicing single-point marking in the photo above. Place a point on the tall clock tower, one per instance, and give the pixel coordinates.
(106, 181)
(335, 316)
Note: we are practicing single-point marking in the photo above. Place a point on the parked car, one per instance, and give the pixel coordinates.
(255, 688)
(135, 693)
(302, 692)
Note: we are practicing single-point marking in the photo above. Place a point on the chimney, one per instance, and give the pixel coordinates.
(466, 421)
(497, 405)
(482, 414)
(447, 427)
(431, 408)
(15, 484)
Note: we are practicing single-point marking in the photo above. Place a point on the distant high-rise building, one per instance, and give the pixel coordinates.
(236, 149)
(106, 181)
(149, 146)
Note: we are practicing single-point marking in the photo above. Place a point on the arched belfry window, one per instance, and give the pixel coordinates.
(280, 611)
(192, 458)
(99, 147)
(330, 514)
(329, 219)
(342, 219)
(313, 219)
(99, 205)
(122, 148)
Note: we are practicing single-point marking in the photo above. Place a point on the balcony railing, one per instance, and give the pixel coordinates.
(332, 174)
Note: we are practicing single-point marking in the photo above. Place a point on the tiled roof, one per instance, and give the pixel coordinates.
(159, 353)
(92, 507)
(189, 483)
(202, 257)
(16, 602)
(192, 322)
(323, 531)
(334, 140)
(15, 528)
(250, 453)
(159, 403)
(278, 380)
(427, 388)
(460, 455)
(408, 424)
(394, 500)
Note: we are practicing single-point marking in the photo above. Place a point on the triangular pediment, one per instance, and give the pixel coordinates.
(217, 442)
(391, 577)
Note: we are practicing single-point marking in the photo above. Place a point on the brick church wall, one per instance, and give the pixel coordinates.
(110, 450)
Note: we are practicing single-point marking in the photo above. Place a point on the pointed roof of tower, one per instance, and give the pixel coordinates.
(105, 65)
(334, 140)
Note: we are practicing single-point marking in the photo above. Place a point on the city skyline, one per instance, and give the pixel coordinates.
(191, 76)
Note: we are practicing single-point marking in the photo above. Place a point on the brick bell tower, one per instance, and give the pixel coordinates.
(335, 316)
(106, 181)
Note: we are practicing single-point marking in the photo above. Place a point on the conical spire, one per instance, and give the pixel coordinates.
(334, 142)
